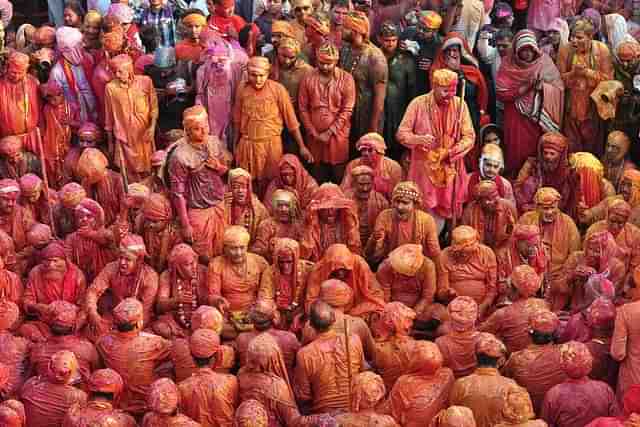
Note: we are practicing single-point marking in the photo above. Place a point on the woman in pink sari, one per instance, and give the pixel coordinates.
(531, 88)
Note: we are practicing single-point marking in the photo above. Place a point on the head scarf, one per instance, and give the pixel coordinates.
(336, 293)
(251, 413)
(304, 182)
(560, 25)
(463, 312)
(163, 397)
(517, 407)
(454, 416)
(330, 196)
(93, 208)
(63, 367)
(358, 22)
(30, 183)
(72, 194)
(282, 27)
(288, 44)
(69, 43)
(133, 244)
(554, 141)
(328, 52)
(526, 281)
(236, 235)
(204, 343)
(576, 359)
(407, 259)
(54, 249)
(157, 208)
(430, 19)
(589, 22)
(525, 39)
(372, 140)
(207, 317)
(264, 356)
(129, 311)
(544, 322)
(368, 390)
(617, 32)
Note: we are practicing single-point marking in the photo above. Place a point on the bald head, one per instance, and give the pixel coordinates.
(322, 316)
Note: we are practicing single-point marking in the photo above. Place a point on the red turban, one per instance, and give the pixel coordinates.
(163, 397)
(426, 358)
(92, 208)
(9, 186)
(555, 141)
(72, 194)
(207, 317)
(525, 279)
(63, 313)
(106, 381)
(204, 343)
(491, 346)
(463, 312)
(576, 359)
(182, 254)
(129, 311)
(39, 234)
(133, 244)
(544, 322)
(336, 293)
(54, 250)
(157, 208)
(89, 132)
(601, 313)
(30, 183)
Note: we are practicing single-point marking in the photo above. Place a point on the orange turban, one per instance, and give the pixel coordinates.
(601, 313)
(182, 254)
(129, 311)
(426, 358)
(282, 27)
(258, 64)
(194, 19)
(328, 52)
(576, 359)
(525, 280)
(544, 322)
(463, 237)
(336, 293)
(317, 25)
(463, 312)
(204, 343)
(555, 141)
(397, 317)
(113, 40)
(207, 317)
(628, 50)
(251, 413)
(92, 165)
(455, 416)
(106, 381)
(163, 397)
(407, 259)
(368, 390)
(194, 115)
(289, 44)
(517, 407)
(157, 208)
(487, 190)
(491, 346)
(546, 196)
(358, 22)
(444, 77)
(72, 194)
(372, 140)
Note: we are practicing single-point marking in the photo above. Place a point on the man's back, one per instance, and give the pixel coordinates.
(209, 398)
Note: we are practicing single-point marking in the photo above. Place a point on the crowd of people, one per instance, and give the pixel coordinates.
(267, 213)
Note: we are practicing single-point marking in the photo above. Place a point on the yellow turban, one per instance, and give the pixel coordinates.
(282, 27)
(236, 235)
(328, 52)
(194, 19)
(93, 17)
(547, 196)
(430, 19)
(407, 259)
(358, 22)
(193, 115)
(444, 77)
(259, 63)
(290, 44)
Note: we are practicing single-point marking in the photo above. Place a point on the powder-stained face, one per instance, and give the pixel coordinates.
(236, 253)
(363, 184)
(580, 41)
(258, 77)
(285, 262)
(127, 263)
(8, 202)
(240, 192)
(403, 207)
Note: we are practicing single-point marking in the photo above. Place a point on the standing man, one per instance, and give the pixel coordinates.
(326, 98)
(159, 15)
(131, 112)
(368, 66)
(261, 111)
(19, 102)
(437, 152)
(401, 88)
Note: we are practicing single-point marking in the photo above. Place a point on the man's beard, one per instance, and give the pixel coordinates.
(54, 274)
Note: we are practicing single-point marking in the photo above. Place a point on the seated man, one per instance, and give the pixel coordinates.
(331, 218)
(388, 173)
(234, 280)
(409, 277)
(286, 222)
(403, 223)
(340, 263)
(491, 166)
(181, 289)
(524, 248)
(241, 205)
(560, 238)
(15, 220)
(293, 177)
(128, 277)
(369, 203)
(468, 268)
(284, 283)
(492, 216)
(15, 161)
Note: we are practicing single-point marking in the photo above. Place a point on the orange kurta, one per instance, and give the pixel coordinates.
(46, 403)
(209, 398)
(416, 292)
(239, 288)
(628, 240)
(387, 175)
(493, 230)
(20, 110)
(260, 116)
(130, 111)
(625, 347)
